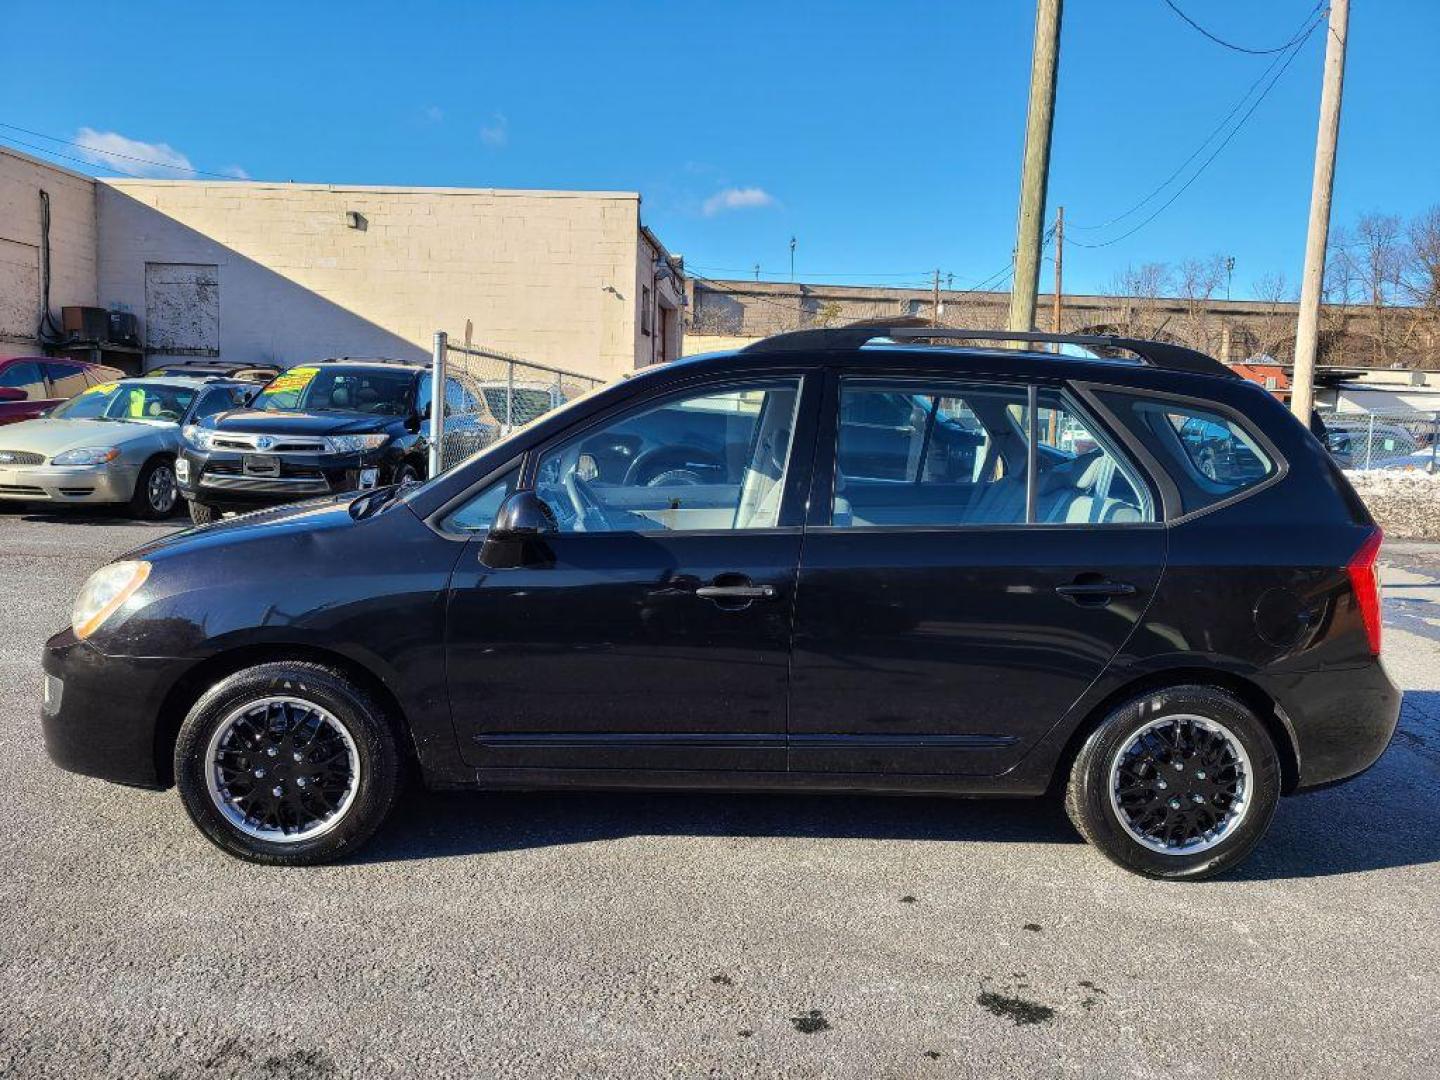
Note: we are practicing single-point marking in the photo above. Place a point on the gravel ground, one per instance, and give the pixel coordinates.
(660, 935)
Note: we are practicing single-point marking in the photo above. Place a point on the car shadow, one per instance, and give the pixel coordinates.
(1388, 818)
(436, 824)
(89, 515)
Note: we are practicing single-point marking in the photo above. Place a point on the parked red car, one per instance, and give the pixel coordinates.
(31, 385)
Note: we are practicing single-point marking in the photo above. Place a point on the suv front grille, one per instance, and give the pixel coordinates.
(276, 444)
(21, 457)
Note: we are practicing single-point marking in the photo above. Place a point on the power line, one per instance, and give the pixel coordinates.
(187, 170)
(1240, 102)
(1213, 155)
(1231, 45)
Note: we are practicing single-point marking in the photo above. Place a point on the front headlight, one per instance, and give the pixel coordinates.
(349, 444)
(86, 455)
(197, 436)
(108, 588)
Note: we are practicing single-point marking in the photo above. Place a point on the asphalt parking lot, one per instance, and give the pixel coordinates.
(687, 935)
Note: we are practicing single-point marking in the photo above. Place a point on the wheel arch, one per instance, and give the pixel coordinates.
(188, 689)
(1277, 725)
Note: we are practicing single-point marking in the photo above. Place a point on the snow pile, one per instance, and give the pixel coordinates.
(1405, 503)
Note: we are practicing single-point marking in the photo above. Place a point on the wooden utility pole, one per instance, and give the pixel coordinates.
(1059, 268)
(935, 302)
(1035, 168)
(1312, 282)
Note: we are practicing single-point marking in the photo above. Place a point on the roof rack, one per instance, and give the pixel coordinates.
(1158, 354)
(370, 360)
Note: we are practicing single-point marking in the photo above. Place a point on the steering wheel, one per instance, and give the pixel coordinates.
(589, 511)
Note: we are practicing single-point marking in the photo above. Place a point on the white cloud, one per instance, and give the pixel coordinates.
(497, 132)
(235, 171)
(131, 156)
(737, 198)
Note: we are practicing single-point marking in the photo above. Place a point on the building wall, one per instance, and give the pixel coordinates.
(277, 272)
(72, 246)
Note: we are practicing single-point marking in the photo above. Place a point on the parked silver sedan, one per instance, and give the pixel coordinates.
(113, 443)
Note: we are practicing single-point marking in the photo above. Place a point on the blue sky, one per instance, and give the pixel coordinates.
(885, 137)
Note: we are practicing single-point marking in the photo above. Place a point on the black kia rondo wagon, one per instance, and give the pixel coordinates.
(856, 560)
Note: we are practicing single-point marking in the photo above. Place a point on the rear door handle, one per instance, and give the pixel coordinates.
(736, 592)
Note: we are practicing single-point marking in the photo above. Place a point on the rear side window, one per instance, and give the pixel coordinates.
(1210, 455)
(912, 454)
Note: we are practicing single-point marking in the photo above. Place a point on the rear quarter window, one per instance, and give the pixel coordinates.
(1210, 455)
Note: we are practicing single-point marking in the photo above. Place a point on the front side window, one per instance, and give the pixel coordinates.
(66, 380)
(951, 455)
(1209, 455)
(715, 459)
(478, 512)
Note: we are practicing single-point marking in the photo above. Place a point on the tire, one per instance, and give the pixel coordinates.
(407, 474)
(156, 493)
(1227, 743)
(202, 514)
(324, 715)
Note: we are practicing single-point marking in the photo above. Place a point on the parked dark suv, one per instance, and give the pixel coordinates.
(318, 429)
(1030, 579)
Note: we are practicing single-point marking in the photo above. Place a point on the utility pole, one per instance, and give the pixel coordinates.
(1059, 266)
(792, 260)
(1035, 167)
(757, 271)
(935, 302)
(1229, 274)
(1312, 281)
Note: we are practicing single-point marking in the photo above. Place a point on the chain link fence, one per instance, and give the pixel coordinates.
(489, 394)
(1393, 440)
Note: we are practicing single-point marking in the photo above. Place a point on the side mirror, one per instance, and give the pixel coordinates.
(517, 536)
(13, 393)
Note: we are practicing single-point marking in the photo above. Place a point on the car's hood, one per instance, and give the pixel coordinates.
(313, 516)
(299, 423)
(50, 437)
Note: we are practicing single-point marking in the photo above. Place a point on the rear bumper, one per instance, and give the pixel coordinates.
(99, 713)
(69, 484)
(1341, 719)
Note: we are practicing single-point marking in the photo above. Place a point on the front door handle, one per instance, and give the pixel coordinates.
(1093, 593)
(736, 592)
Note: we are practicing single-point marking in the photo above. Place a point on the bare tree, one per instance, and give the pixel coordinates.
(1420, 283)
(1196, 283)
(1274, 328)
(1137, 291)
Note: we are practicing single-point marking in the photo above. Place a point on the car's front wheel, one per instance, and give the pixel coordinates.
(156, 492)
(1180, 783)
(287, 764)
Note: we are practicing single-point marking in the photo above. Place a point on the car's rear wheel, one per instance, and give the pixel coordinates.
(202, 514)
(287, 764)
(1180, 783)
(156, 491)
(407, 474)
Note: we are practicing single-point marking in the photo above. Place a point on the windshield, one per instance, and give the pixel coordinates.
(334, 388)
(128, 401)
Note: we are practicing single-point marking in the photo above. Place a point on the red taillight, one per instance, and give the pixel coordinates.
(1364, 572)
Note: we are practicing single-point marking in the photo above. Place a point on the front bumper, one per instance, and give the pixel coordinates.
(99, 713)
(221, 478)
(110, 483)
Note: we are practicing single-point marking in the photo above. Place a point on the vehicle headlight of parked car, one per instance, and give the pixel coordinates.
(86, 455)
(350, 444)
(104, 594)
(197, 436)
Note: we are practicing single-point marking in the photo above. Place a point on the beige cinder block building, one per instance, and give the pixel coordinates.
(249, 270)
